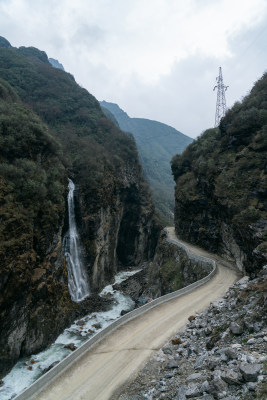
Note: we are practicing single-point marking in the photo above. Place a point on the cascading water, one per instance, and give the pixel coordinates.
(77, 279)
(30, 368)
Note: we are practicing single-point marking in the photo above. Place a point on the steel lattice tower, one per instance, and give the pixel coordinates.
(221, 103)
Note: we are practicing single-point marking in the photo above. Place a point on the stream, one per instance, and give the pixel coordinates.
(28, 369)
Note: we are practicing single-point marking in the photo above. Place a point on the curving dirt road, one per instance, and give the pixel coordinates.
(118, 357)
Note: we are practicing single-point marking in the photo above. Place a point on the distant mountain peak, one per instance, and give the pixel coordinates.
(114, 108)
(157, 143)
(4, 42)
(56, 64)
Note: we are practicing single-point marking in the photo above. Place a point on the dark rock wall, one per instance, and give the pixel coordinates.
(170, 270)
(35, 304)
(121, 231)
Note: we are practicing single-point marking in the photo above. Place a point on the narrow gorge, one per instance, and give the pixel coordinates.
(80, 242)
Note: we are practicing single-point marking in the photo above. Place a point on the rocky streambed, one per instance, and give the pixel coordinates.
(30, 368)
(221, 354)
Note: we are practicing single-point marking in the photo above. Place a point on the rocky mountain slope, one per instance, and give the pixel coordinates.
(222, 353)
(52, 129)
(157, 143)
(221, 187)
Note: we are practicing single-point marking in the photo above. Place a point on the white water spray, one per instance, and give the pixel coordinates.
(77, 279)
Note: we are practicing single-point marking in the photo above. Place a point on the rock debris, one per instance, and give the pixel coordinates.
(221, 354)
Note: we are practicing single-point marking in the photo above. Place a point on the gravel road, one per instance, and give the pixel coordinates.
(107, 366)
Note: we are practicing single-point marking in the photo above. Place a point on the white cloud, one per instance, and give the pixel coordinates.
(153, 56)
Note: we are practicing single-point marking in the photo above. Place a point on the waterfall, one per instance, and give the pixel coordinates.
(77, 279)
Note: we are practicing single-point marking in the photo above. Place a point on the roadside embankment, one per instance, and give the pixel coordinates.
(221, 354)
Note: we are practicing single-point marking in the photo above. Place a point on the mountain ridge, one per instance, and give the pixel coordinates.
(156, 143)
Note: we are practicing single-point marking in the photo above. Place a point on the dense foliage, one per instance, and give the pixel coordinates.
(32, 179)
(92, 145)
(224, 172)
(156, 143)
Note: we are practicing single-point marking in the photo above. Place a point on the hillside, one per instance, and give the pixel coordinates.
(52, 129)
(156, 143)
(221, 188)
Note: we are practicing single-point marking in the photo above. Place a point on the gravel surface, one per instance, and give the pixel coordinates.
(222, 353)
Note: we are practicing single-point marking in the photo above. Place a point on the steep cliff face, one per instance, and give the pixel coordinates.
(171, 269)
(33, 277)
(120, 229)
(221, 184)
(51, 128)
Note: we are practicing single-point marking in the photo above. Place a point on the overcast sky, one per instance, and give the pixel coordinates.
(157, 59)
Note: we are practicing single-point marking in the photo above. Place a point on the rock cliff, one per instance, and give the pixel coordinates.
(51, 128)
(221, 184)
(171, 269)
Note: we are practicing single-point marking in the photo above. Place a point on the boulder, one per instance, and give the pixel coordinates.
(194, 377)
(181, 393)
(250, 372)
(80, 323)
(70, 346)
(97, 325)
(176, 340)
(191, 318)
(252, 386)
(217, 385)
(167, 350)
(208, 331)
(231, 377)
(251, 341)
(230, 353)
(212, 363)
(193, 390)
(236, 328)
(205, 386)
(213, 340)
(200, 361)
(172, 364)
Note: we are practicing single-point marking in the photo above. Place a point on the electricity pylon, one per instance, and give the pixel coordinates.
(221, 103)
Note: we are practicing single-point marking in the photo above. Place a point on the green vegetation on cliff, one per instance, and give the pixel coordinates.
(156, 143)
(32, 207)
(221, 183)
(32, 179)
(89, 140)
(51, 128)
(94, 149)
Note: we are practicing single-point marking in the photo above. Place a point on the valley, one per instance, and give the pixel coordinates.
(88, 270)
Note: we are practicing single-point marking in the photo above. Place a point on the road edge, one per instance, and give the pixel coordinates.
(33, 390)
